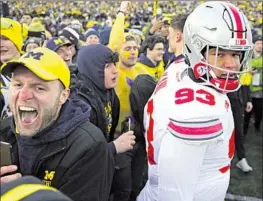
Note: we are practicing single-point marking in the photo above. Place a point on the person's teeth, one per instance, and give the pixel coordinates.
(26, 108)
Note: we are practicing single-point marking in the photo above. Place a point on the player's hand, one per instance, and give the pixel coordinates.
(125, 6)
(9, 169)
(125, 142)
(249, 107)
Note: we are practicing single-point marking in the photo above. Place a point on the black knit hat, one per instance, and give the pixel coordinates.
(71, 35)
(257, 38)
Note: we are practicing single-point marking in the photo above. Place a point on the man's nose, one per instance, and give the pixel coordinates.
(68, 52)
(114, 69)
(133, 51)
(25, 94)
(230, 62)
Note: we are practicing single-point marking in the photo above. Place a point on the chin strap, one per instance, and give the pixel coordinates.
(190, 73)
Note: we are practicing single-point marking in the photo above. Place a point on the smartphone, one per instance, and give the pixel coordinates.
(126, 125)
(6, 154)
(129, 124)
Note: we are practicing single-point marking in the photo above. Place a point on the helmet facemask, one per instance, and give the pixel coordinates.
(229, 81)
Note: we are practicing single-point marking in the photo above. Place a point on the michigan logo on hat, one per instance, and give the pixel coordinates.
(56, 42)
(44, 63)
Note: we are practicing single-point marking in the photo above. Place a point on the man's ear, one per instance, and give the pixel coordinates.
(64, 96)
(147, 50)
(179, 36)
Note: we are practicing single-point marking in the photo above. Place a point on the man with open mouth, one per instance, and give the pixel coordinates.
(62, 47)
(51, 136)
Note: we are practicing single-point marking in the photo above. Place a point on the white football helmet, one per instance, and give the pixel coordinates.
(220, 25)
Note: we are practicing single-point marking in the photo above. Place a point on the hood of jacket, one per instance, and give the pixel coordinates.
(91, 63)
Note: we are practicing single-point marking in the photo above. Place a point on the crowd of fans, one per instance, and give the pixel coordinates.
(98, 13)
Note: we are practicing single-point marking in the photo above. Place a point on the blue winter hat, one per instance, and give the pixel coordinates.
(56, 42)
(90, 32)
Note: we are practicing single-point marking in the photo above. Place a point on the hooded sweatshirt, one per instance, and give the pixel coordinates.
(91, 64)
(73, 113)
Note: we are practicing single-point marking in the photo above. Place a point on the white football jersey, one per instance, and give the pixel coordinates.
(189, 140)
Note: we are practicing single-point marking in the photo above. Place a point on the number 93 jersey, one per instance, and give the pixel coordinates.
(190, 140)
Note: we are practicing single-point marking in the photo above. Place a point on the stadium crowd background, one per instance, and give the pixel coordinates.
(96, 14)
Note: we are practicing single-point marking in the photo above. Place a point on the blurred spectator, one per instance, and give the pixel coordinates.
(92, 37)
(62, 47)
(256, 86)
(37, 29)
(151, 58)
(74, 39)
(11, 41)
(31, 44)
(26, 19)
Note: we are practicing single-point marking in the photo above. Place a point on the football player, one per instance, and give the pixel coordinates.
(188, 119)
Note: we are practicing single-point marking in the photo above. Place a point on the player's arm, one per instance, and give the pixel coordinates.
(179, 168)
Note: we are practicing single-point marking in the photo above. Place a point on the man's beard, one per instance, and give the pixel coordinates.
(49, 117)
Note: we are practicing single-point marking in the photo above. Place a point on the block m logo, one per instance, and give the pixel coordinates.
(34, 55)
(49, 175)
(58, 41)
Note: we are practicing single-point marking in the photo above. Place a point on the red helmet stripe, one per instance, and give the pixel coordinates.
(238, 22)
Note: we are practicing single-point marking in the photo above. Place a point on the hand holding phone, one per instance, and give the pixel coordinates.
(10, 172)
(124, 142)
(7, 169)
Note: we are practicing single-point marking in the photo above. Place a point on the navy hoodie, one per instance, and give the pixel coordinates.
(91, 63)
(90, 73)
(72, 114)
